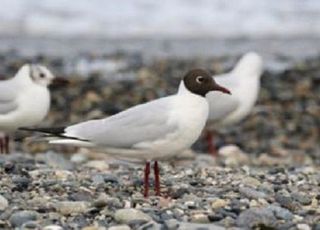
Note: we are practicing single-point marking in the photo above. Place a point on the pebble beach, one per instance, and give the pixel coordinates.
(266, 175)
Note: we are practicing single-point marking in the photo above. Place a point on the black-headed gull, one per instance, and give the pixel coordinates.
(24, 100)
(156, 130)
(244, 83)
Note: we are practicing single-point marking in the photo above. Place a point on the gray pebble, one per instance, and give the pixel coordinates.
(53, 227)
(252, 193)
(71, 207)
(3, 203)
(171, 224)
(286, 202)
(316, 226)
(21, 217)
(57, 161)
(302, 198)
(280, 212)
(30, 225)
(256, 217)
(195, 226)
(120, 227)
(150, 226)
(127, 215)
(97, 179)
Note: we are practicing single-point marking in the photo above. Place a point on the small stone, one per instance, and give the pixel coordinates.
(97, 179)
(150, 225)
(109, 178)
(93, 228)
(127, 215)
(286, 202)
(21, 182)
(279, 151)
(281, 213)
(303, 227)
(233, 156)
(164, 202)
(179, 192)
(172, 224)
(252, 193)
(191, 204)
(251, 181)
(213, 217)
(316, 226)
(53, 227)
(101, 201)
(219, 203)
(21, 217)
(255, 217)
(99, 165)
(3, 203)
(79, 158)
(302, 198)
(104, 200)
(63, 174)
(57, 161)
(199, 218)
(30, 225)
(120, 227)
(199, 226)
(266, 160)
(71, 207)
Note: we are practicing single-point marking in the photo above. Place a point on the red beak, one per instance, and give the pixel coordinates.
(220, 88)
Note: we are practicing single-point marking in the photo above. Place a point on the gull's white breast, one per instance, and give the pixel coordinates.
(189, 113)
(33, 103)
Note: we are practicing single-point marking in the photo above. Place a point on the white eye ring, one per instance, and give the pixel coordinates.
(200, 79)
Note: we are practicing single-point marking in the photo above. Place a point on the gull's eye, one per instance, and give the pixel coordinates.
(42, 75)
(200, 79)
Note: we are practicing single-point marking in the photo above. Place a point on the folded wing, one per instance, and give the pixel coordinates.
(142, 123)
(7, 99)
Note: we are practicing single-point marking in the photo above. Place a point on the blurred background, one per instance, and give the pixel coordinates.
(119, 53)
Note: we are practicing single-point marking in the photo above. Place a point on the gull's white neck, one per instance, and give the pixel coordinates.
(23, 75)
(183, 90)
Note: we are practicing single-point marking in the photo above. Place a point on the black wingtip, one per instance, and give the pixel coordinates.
(57, 131)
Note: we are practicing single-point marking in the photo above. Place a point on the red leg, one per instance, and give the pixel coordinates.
(6, 144)
(210, 141)
(1, 145)
(146, 179)
(157, 178)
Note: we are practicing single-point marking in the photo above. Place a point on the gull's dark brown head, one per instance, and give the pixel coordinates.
(199, 82)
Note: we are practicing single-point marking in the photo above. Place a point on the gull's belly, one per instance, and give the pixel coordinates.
(36, 109)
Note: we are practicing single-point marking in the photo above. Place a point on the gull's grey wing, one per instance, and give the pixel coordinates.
(7, 98)
(142, 123)
(221, 105)
(8, 92)
(7, 107)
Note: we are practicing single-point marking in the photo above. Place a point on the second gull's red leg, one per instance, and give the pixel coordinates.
(157, 178)
(1, 145)
(210, 139)
(6, 144)
(146, 179)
